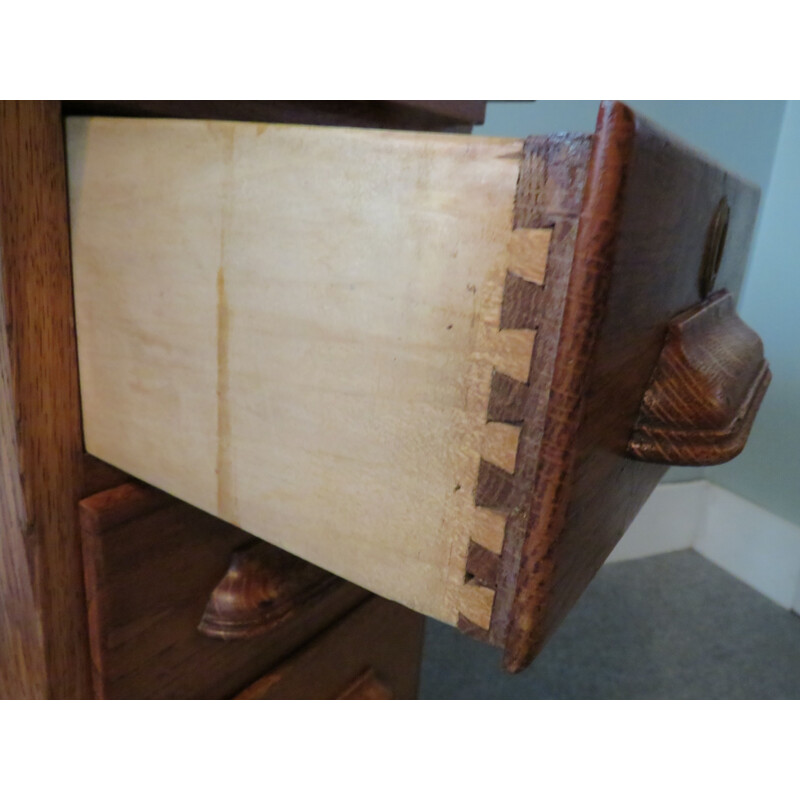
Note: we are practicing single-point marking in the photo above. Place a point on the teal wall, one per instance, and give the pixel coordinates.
(768, 471)
(744, 137)
(741, 135)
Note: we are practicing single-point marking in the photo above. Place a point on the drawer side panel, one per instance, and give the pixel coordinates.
(296, 329)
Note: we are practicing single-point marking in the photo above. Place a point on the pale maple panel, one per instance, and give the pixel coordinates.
(294, 328)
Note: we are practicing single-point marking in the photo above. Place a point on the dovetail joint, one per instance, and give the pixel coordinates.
(494, 494)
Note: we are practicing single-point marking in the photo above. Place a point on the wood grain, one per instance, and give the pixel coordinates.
(151, 564)
(372, 654)
(23, 670)
(705, 391)
(548, 201)
(262, 589)
(296, 329)
(44, 649)
(638, 256)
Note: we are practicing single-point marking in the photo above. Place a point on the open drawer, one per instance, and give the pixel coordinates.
(447, 368)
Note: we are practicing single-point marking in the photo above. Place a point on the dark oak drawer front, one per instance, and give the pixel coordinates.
(373, 654)
(151, 566)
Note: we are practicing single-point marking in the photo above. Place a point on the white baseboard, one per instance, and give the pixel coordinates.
(751, 543)
(672, 519)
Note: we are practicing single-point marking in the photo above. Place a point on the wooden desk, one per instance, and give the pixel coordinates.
(143, 607)
(590, 340)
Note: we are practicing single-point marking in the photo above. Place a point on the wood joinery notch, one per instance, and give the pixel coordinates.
(528, 308)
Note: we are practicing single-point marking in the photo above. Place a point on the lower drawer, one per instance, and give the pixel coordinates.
(151, 566)
(373, 654)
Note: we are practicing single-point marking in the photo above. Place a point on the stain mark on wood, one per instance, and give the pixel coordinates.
(224, 496)
(226, 499)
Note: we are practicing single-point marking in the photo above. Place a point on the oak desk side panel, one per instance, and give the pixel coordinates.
(45, 650)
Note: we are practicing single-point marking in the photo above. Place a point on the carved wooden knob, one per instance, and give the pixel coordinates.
(705, 391)
(262, 588)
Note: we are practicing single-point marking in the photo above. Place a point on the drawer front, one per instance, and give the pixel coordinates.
(152, 564)
(373, 654)
(442, 367)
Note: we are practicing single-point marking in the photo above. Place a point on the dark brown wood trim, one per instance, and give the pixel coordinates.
(37, 293)
(482, 565)
(549, 192)
(380, 641)
(708, 384)
(469, 111)
(368, 686)
(583, 311)
(23, 671)
(420, 115)
(549, 195)
(642, 246)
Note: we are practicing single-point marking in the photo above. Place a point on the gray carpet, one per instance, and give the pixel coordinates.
(673, 626)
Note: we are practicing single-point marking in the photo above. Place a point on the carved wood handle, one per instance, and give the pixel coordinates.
(262, 588)
(705, 391)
